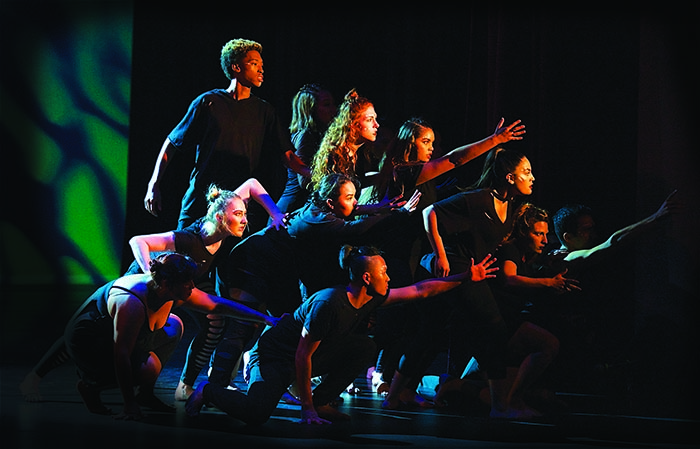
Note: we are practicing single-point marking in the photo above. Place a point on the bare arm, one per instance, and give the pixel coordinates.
(303, 365)
(621, 236)
(204, 302)
(461, 155)
(295, 163)
(253, 189)
(558, 283)
(128, 319)
(143, 245)
(152, 201)
(430, 223)
(432, 287)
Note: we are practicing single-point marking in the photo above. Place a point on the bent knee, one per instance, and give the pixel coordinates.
(174, 328)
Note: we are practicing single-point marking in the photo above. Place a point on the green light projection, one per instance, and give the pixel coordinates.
(64, 123)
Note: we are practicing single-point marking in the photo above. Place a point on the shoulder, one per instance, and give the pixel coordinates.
(211, 95)
(129, 292)
(262, 104)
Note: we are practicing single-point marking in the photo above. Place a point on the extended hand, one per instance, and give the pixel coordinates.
(514, 131)
(483, 269)
(412, 203)
(562, 284)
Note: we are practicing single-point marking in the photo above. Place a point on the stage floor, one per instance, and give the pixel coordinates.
(62, 421)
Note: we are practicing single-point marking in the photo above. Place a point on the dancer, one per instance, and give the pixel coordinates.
(464, 226)
(228, 130)
(407, 166)
(124, 333)
(313, 108)
(226, 216)
(325, 336)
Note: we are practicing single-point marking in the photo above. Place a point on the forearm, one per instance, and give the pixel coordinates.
(205, 302)
(125, 380)
(161, 164)
(462, 155)
(142, 253)
(253, 189)
(517, 281)
(242, 312)
(303, 380)
(432, 232)
(432, 287)
(295, 163)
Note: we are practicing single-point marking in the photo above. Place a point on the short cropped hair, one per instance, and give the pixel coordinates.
(233, 51)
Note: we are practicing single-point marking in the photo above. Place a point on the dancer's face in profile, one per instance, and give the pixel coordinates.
(235, 219)
(522, 178)
(424, 145)
(537, 237)
(343, 206)
(368, 125)
(250, 69)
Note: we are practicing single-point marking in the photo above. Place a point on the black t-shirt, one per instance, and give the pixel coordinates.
(188, 241)
(295, 194)
(327, 315)
(229, 140)
(469, 225)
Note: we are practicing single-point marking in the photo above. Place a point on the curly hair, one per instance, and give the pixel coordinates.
(332, 155)
(233, 51)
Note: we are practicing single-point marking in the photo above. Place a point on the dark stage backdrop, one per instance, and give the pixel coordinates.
(90, 93)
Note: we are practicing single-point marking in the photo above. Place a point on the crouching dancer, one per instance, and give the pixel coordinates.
(124, 333)
(325, 336)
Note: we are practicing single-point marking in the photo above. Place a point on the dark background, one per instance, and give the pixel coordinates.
(608, 100)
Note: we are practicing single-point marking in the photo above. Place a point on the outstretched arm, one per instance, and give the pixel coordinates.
(558, 283)
(461, 155)
(669, 206)
(204, 302)
(432, 287)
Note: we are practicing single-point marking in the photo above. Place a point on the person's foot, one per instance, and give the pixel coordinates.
(30, 387)
(413, 399)
(183, 391)
(91, 398)
(352, 389)
(446, 385)
(289, 398)
(390, 404)
(195, 402)
(378, 384)
(331, 414)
